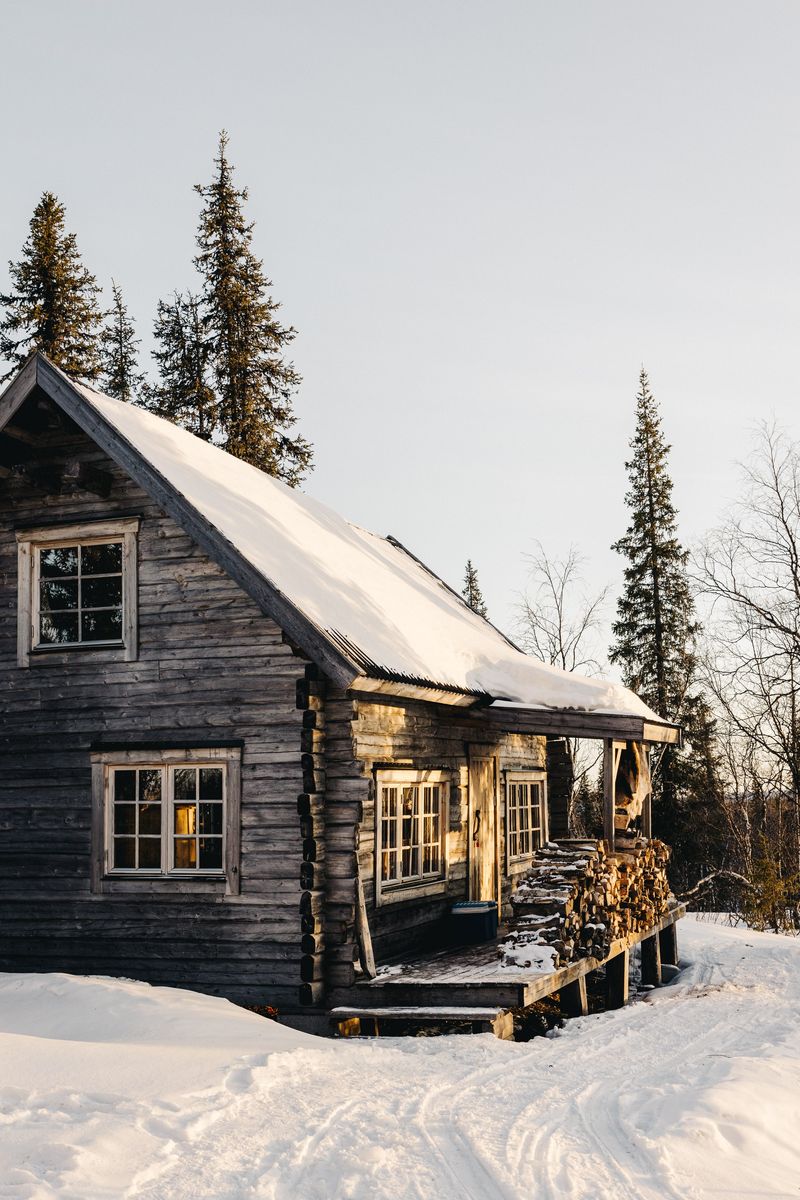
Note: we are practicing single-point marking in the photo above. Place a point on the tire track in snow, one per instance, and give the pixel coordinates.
(473, 1119)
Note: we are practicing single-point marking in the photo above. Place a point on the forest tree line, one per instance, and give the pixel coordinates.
(710, 641)
(728, 800)
(221, 366)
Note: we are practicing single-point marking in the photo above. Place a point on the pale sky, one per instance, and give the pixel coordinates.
(480, 217)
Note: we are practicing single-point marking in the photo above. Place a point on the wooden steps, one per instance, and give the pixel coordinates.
(360, 1022)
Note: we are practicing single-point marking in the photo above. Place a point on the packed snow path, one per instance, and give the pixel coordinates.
(692, 1092)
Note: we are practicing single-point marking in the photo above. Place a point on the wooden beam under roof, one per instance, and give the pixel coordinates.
(510, 718)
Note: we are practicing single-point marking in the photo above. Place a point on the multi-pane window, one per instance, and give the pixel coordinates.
(411, 829)
(167, 818)
(524, 816)
(79, 593)
(77, 588)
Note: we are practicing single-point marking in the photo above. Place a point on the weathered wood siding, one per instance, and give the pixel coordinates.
(210, 666)
(363, 736)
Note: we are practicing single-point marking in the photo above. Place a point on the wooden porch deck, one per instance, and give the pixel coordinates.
(472, 977)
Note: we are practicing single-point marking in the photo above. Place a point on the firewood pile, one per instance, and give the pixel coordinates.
(577, 898)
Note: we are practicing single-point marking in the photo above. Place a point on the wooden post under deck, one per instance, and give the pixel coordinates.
(617, 969)
(573, 1000)
(668, 945)
(651, 960)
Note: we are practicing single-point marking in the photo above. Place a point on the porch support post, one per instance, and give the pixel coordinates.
(647, 813)
(668, 944)
(573, 1001)
(617, 969)
(608, 791)
(651, 961)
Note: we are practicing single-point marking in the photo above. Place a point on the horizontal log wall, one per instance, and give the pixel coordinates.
(210, 666)
(362, 736)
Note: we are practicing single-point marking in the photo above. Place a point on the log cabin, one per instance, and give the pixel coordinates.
(251, 749)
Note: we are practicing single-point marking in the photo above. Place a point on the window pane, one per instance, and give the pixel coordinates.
(185, 818)
(99, 593)
(58, 628)
(102, 626)
(211, 853)
(150, 786)
(210, 783)
(150, 818)
(185, 783)
(185, 852)
(124, 852)
(389, 802)
(125, 785)
(62, 560)
(59, 593)
(124, 818)
(211, 818)
(150, 853)
(103, 559)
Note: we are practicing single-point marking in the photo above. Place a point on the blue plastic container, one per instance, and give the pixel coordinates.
(473, 921)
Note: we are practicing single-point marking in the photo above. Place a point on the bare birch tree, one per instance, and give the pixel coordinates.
(561, 624)
(749, 570)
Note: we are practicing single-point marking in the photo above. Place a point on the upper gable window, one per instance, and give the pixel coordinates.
(77, 588)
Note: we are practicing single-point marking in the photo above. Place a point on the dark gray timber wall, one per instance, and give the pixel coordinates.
(210, 666)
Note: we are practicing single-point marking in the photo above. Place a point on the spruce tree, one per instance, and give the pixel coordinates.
(53, 306)
(121, 376)
(184, 393)
(656, 629)
(254, 382)
(472, 591)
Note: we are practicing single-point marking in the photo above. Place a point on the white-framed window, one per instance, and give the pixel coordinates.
(167, 814)
(526, 814)
(78, 587)
(411, 832)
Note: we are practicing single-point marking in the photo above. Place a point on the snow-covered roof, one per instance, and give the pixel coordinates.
(373, 601)
(368, 594)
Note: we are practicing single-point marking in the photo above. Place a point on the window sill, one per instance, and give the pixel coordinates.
(71, 647)
(149, 876)
(396, 893)
(169, 887)
(40, 656)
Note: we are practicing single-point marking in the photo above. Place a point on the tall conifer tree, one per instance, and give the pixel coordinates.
(254, 382)
(472, 590)
(184, 393)
(53, 306)
(656, 629)
(118, 348)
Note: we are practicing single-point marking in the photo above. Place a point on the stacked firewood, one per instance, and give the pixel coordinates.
(578, 898)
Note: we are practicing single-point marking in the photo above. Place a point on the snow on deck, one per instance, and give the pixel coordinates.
(350, 583)
(112, 1089)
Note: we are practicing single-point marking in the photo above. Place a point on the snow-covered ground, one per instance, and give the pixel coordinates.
(118, 1090)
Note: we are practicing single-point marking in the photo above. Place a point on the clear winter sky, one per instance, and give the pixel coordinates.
(481, 218)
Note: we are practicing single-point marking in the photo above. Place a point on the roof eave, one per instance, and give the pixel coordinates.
(563, 722)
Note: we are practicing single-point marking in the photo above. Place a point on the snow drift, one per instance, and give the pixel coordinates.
(112, 1089)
